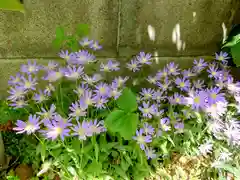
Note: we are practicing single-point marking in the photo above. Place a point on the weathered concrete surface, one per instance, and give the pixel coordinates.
(200, 25)
(31, 35)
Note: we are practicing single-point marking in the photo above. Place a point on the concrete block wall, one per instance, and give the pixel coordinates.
(120, 25)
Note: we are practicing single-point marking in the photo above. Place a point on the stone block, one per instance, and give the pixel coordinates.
(200, 24)
(31, 35)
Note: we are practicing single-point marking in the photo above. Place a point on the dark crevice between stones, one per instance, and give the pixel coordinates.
(21, 1)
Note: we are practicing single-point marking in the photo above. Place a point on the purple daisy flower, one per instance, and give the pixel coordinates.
(73, 72)
(15, 80)
(205, 148)
(213, 71)
(48, 114)
(163, 73)
(85, 42)
(91, 80)
(159, 132)
(95, 127)
(31, 126)
(87, 99)
(234, 88)
(176, 99)
(95, 46)
(172, 68)
(158, 96)
(159, 113)
(179, 126)
(81, 130)
(165, 124)
(106, 67)
(222, 56)
(102, 89)
(56, 128)
(199, 84)
(150, 153)
(133, 65)
(215, 95)
(66, 55)
(152, 79)
(141, 139)
(30, 67)
(115, 92)
(52, 65)
(183, 84)
(19, 103)
(82, 57)
(199, 65)
(78, 110)
(49, 89)
(110, 66)
(120, 81)
(29, 83)
(188, 73)
(40, 97)
(16, 93)
(197, 99)
(53, 76)
(100, 101)
(148, 129)
(147, 109)
(147, 93)
(144, 58)
(81, 89)
(165, 85)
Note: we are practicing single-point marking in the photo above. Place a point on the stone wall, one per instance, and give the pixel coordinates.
(120, 25)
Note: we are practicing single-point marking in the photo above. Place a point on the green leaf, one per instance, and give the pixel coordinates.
(164, 147)
(129, 126)
(96, 150)
(60, 33)
(127, 101)
(43, 152)
(57, 43)
(95, 168)
(74, 46)
(120, 172)
(235, 40)
(124, 124)
(124, 165)
(235, 51)
(41, 149)
(12, 5)
(82, 30)
(76, 145)
(113, 122)
(87, 148)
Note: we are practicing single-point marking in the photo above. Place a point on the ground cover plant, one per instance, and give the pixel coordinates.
(94, 122)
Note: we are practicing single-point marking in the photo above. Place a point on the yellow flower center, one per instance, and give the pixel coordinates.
(182, 84)
(197, 100)
(214, 95)
(27, 84)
